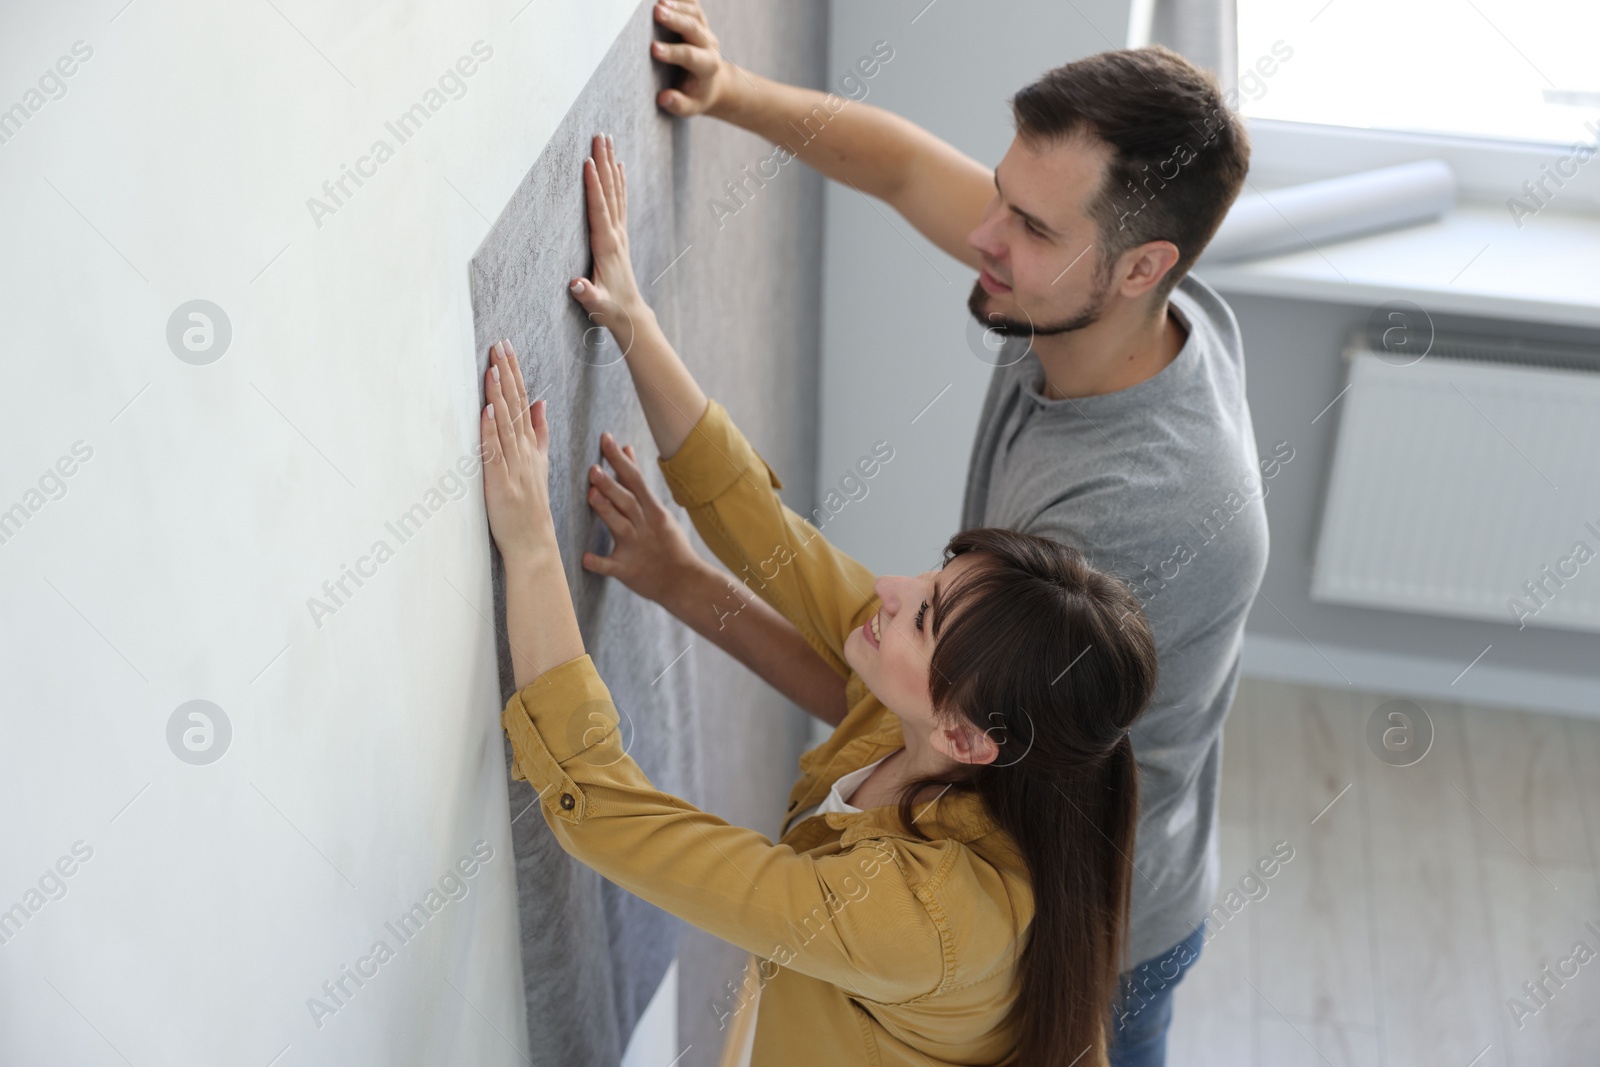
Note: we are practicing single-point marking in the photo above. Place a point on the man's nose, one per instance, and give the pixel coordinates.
(978, 239)
(982, 236)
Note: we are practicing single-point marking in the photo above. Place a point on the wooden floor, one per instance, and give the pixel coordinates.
(1416, 906)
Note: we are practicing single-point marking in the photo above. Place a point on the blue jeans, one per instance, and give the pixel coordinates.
(1144, 1008)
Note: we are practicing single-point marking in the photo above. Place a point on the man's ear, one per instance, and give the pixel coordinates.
(1141, 268)
(965, 743)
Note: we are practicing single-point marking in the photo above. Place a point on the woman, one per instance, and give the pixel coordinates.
(969, 907)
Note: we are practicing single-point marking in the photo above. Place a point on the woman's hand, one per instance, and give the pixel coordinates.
(709, 79)
(652, 553)
(611, 297)
(516, 468)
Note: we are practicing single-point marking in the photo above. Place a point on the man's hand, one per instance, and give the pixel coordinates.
(708, 80)
(937, 188)
(652, 553)
(612, 297)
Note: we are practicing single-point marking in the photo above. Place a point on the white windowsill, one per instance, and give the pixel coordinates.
(1295, 659)
(1474, 261)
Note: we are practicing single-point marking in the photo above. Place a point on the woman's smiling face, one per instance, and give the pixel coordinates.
(893, 650)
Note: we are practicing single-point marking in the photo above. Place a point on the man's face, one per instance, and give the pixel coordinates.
(1038, 245)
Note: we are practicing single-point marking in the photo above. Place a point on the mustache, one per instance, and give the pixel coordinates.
(978, 298)
(993, 273)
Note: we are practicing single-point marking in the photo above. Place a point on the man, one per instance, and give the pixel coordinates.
(1116, 418)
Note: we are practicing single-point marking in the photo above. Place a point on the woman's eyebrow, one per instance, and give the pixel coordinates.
(933, 607)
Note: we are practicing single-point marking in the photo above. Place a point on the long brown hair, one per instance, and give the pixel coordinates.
(1055, 660)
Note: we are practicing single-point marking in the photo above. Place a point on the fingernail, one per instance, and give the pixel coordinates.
(494, 372)
(577, 286)
(491, 411)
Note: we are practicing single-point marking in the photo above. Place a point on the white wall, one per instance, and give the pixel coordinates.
(365, 756)
(894, 307)
(655, 1037)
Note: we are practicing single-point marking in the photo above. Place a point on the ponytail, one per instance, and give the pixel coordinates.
(1055, 661)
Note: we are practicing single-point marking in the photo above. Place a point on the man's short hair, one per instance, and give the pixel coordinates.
(1179, 154)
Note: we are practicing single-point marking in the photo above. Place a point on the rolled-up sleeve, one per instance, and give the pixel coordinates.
(731, 496)
(852, 919)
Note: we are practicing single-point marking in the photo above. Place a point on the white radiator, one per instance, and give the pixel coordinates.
(1467, 484)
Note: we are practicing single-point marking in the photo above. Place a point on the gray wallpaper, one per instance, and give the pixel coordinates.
(737, 290)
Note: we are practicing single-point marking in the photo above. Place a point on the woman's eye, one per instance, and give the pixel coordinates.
(1031, 228)
(921, 611)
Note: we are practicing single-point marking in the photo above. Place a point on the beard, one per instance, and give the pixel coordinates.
(1090, 314)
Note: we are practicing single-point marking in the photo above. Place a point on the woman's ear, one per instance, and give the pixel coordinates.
(965, 743)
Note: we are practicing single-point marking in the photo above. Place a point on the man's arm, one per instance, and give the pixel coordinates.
(939, 190)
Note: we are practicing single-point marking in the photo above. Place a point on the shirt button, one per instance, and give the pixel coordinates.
(567, 802)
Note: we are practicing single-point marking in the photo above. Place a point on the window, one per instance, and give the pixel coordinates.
(1518, 70)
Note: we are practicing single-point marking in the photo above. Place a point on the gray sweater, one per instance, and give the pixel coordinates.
(1159, 484)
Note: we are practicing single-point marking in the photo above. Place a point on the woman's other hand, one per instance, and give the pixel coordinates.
(652, 553)
(708, 78)
(611, 297)
(516, 468)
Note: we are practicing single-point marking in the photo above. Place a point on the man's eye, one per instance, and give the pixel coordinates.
(921, 611)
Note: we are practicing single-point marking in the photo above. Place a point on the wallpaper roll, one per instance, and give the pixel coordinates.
(734, 282)
(1299, 217)
(591, 953)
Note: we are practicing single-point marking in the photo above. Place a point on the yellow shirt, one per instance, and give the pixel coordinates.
(870, 946)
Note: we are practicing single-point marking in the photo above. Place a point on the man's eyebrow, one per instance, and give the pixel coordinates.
(1036, 220)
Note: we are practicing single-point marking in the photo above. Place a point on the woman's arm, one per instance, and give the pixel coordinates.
(753, 632)
(542, 628)
(672, 400)
(653, 557)
(713, 471)
(851, 918)
(566, 743)
(541, 625)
